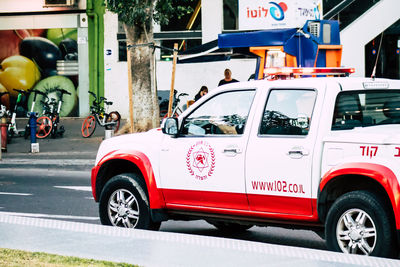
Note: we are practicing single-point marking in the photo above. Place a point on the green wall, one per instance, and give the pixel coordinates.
(95, 11)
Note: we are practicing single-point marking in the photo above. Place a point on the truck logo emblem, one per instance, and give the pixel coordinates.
(200, 160)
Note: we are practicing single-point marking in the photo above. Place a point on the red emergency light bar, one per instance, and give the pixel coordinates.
(338, 71)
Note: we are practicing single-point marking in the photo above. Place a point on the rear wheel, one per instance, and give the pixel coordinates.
(54, 131)
(10, 135)
(124, 203)
(27, 132)
(44, 127)
(88, 126)
(360, 223)
(115, 118)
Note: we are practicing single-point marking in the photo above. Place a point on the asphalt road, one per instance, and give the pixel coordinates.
(66, 195)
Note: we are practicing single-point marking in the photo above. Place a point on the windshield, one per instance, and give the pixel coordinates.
(366, 108)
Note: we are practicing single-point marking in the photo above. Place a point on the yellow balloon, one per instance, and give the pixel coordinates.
(18, 72)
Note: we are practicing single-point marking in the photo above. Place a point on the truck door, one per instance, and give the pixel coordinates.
(204, 165)
(279, 154)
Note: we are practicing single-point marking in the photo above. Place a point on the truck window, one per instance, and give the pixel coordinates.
(224, 114)
(366, 108)
(288, 112)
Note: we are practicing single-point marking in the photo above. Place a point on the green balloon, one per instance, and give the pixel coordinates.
(59, 34)
(49, 86)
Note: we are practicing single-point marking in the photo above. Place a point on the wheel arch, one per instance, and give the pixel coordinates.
(127, 162)
(359, 176)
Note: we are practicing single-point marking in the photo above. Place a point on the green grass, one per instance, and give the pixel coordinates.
(14, 258)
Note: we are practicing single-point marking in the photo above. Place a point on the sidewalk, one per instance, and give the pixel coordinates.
(150, 248)
(71, 151)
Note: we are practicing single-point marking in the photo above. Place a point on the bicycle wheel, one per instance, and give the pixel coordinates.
(44, 127)
(54, 131)
(166, 115)
(88, 126)
(113, 117)
(27, 132)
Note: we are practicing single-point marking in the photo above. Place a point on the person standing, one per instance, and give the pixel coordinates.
(228, 78)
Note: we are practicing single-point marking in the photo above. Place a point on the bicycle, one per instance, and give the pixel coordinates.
(12, 127)
(176, 110)
(48, 123)
(99, 115)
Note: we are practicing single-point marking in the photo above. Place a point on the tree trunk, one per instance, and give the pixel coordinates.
(145, 102)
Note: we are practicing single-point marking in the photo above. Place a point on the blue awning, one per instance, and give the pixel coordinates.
(276, 37)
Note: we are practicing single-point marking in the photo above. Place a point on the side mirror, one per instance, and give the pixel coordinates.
(170, 126)
(303, 121)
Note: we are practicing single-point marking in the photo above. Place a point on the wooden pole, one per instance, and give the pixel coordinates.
(130, 89)
(171, 93)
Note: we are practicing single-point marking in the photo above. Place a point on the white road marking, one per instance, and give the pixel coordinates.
(77, 188)
(51, 216)
(91, 198)
(15, 194)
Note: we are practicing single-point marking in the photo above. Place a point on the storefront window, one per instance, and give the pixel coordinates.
(191, 21)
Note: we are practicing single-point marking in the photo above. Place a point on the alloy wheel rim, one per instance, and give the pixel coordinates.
(123, 209)
(356, 232)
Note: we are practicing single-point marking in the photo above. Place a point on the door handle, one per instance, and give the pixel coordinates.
(232, 151)
(298, 152)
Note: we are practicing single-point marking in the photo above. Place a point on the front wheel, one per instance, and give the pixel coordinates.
(27, 132)
(88, 126)
(44, 127)
(124, 203)
(114, 118)
(360, 223)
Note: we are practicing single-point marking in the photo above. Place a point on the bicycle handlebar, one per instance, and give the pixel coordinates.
(37, 92)
(62, 91)
(20, 91)
(93, 94)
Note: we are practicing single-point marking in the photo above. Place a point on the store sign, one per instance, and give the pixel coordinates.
(264, 14)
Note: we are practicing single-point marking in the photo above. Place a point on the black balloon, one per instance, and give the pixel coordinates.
(42, 51)
(69, 49)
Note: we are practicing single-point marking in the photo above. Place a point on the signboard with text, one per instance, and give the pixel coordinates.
(264, 14)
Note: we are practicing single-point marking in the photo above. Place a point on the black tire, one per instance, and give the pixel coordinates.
(10, 135)
(230, 227)
(54, 132)
(128, 186)
(115, 117)
(27, 132)
(365, 224)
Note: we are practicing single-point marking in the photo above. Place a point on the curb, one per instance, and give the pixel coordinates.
(74, 164)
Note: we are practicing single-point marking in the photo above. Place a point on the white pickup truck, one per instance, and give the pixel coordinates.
(311, 153)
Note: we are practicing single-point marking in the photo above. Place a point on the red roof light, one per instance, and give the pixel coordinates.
(336, 71)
